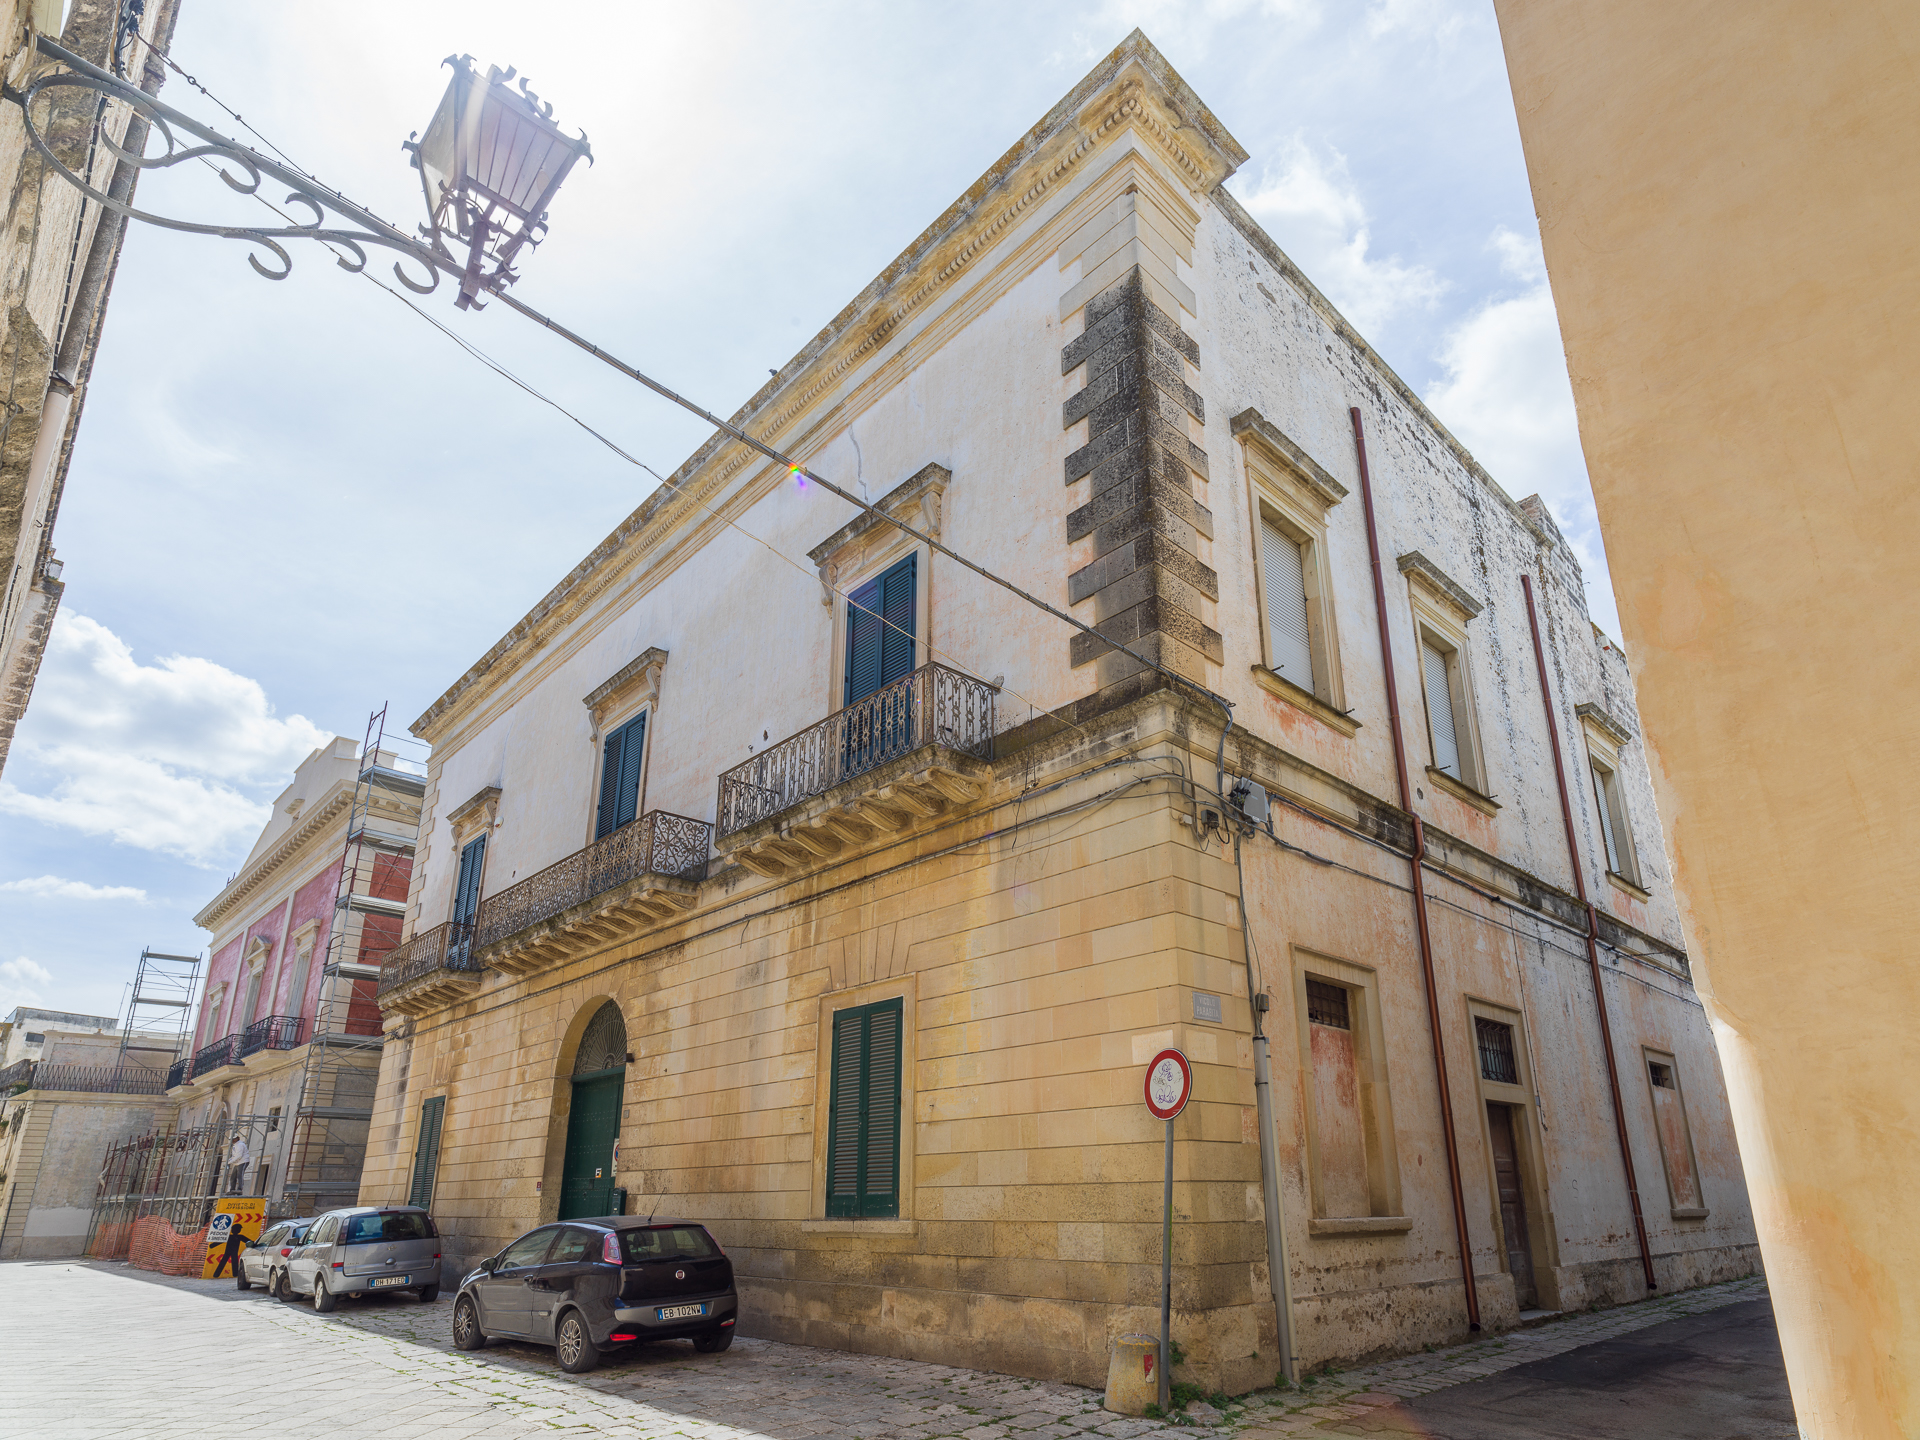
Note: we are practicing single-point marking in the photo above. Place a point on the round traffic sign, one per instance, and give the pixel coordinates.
(1169, 1083)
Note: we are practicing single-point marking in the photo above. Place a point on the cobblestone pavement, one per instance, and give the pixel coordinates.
(102, 1350)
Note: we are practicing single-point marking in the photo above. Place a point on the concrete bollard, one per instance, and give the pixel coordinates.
(1133, 1380)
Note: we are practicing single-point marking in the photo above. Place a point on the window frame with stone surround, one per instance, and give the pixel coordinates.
(1288, 491)
(903, 989)
(1613, 821)
(1650, 1057)
(1442, 612)
(1385, 1210)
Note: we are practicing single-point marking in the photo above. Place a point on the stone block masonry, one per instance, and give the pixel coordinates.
(1147, 583)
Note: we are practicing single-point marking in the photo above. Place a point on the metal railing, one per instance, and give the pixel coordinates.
(177, 1072)
(274, 1032)
(658, 843)
(932, 706)
(99, 1079)
(224, 1051)
(445, 947)
(17, 1074)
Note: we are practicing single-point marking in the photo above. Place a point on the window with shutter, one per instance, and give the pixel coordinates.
(880, 630)
(1601, 801)
(1442, 723)
(863, 1126)
(1284, 585)
(466, 890)
(426, 1152)
(620, 758)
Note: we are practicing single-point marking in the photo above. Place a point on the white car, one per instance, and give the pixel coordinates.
(267, 1254)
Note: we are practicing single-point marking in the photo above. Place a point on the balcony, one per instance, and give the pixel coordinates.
(17, 1076)
(275, 1032)
(98, 1079)
(434, 968)
(637, 877)
(221, 1053)
(177, 1073)
(904, 754)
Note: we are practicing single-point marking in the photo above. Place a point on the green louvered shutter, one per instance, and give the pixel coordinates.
(620, 776)
(426, 1152)
(863, 1127)
(880, 630)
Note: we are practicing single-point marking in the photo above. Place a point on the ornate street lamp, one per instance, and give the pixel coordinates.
(490, 164)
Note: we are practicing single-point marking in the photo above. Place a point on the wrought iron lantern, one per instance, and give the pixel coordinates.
(490, 163)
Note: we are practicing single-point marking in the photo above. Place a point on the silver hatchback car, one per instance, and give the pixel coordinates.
(361, 1251)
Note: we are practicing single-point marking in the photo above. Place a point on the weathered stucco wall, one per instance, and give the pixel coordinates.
(53, 1166)
(1738, 292)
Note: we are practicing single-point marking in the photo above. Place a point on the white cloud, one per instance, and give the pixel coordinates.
(1314, 210)
(1507, 398)
(22, 982)
(1434, 18)
(1185, 29)
(52, 887)
(163, 757)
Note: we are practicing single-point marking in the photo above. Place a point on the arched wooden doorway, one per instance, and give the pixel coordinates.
(593, 1119)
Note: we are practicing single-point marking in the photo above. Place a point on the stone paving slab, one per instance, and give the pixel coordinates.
(199, 1358)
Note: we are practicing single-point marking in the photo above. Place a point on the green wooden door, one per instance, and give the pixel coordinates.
(593, 1124)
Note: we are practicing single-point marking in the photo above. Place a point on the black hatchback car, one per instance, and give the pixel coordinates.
(587, 1286)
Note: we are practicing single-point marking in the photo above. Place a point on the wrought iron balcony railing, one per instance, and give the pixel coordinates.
(445, 947)
(17, 1074)
(658, 843)
(275, 1032)
(177, 1072)
(99, 1079)
(224, 1051)
(932, 706)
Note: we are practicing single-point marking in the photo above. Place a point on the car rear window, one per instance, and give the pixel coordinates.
(388, 1225)
(668, 1242)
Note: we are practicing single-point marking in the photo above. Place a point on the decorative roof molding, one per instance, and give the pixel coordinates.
(644, 669)
(916, 500)
(1599, 719)
(1253, 428)
(1417, 567)
(317, 818)
(1134, 87)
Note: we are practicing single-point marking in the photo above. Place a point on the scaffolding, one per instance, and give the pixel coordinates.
(335, 1110)
(159, 1007)
(157, 1191)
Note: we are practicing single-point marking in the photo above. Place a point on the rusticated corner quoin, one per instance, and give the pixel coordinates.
(1145, 581)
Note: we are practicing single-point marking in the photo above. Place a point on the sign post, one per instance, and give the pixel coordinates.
(1169, 1084)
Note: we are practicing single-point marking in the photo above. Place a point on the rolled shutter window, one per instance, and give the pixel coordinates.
(1440, 717)
(1284, 577)
(864, 629)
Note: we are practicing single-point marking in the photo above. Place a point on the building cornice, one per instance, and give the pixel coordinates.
(1439, 584)
(252, 877)
(1134, 88)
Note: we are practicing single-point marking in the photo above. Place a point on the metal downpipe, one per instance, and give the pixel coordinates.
(1593, 934)
(1419, 886)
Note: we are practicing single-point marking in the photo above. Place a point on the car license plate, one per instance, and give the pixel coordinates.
(380, 1280)
(682, 1312)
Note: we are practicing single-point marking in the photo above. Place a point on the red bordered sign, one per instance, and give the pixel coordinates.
(1169, 1084)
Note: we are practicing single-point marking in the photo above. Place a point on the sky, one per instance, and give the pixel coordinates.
(292, 502)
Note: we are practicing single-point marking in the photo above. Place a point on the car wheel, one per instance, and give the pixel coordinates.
(578, 1354)
(323, 1300)
(240, 1281)
(713, 1344)
(276, 1285)
(429, 1294)
(467, 1334)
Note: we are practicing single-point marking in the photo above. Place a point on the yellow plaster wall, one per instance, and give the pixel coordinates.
(1728, 214)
